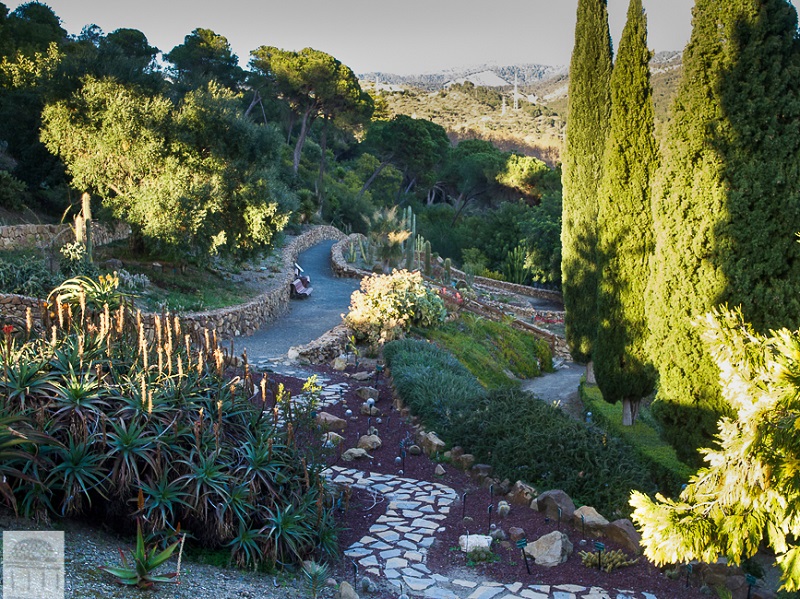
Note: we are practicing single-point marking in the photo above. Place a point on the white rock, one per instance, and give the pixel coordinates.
(469, 543)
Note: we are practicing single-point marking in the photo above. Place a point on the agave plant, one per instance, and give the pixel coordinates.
(140, 572)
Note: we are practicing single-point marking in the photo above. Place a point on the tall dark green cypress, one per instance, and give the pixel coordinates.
(587, 126)
(625, 225)
(726, 201)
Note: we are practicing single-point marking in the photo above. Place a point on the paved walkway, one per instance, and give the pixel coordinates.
(308, 318)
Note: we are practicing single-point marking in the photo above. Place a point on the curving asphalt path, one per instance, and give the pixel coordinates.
(308, 318)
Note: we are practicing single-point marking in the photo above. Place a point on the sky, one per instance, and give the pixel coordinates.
(393, 36)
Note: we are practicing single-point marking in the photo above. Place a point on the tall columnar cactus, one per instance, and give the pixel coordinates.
(412, 239)
(447, 265)
(428, 270)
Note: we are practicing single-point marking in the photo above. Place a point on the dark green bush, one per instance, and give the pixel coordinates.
(519, 435)
(26, 273)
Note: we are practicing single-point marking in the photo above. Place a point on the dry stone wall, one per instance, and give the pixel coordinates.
(39, 236)
(230, 322)
(338, 263)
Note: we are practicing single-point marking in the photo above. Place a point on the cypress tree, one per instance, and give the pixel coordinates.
(587, 126)
(625, 224)
(726, 201)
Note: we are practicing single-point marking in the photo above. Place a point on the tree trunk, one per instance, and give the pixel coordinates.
(323, 145)
(256, 100)
(461, 203)
(630, 410)
(590, 378)
(301, 140)
(290, 127)
(372, 178)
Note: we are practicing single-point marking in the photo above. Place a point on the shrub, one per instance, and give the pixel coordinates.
(25, 273)
(388, 305)
(146, 425)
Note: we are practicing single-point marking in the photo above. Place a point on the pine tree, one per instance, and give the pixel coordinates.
(587, 126)
(625, 224)
(726, 201)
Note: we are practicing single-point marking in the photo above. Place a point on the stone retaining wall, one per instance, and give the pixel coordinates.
(38, 236)
(340, 266)
(230, 322)
(547, 294)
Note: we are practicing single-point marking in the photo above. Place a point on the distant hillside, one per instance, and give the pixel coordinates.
(469, 108)
(502, 75)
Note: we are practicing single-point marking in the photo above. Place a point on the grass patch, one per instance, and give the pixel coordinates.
(491, 350)
(669, 472)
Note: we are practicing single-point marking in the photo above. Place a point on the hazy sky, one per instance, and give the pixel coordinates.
(410, 36)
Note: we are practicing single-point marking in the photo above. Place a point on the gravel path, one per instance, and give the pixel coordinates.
(560, 386)
(308, 318)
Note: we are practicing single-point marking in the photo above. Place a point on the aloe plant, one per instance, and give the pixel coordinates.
(140, 571)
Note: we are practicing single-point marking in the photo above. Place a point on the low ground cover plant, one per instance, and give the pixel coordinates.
(128, 418)
(519, 435)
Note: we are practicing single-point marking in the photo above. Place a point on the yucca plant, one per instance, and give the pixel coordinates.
(140, 571)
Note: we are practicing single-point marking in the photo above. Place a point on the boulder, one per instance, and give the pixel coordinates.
(369, 442)
(346, 591)
(550, 550)
(439, 470)
(481, 471)
(464, 461)
(329, 421)
(332, 438)
(549, 502)
(456, 452)
(367, 393)
(339, 364)
(623, 533)
(431, 443)
(361, 376)
(369, 410)
(469, 543)
(415, 450)
(355, 453)
(521, 493)
(113, 264)
(593, 523)
(515, 533)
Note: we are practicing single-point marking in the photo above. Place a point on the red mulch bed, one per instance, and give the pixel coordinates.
(442, 558)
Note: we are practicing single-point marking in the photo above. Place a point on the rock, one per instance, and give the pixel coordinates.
(521, 493)
(439, 470)
(369, 442)
(332, 438)
(292, 354)
(415, 450)
(361, 376)
(431, 444)
(503, 487)
(623, 533)
(346, 591)
(498, 534)
(339, 364)
(456, 452)
(355, 454)
(480, 471)
(329, 421)
(549, 502)
(369, 410)
(113, 264)
(760, 593)
(469, 543)
(593, 523)
(464, 461)
(550, 550)
(331, 582)
(515, 533)
(367, 393)
(367, 585)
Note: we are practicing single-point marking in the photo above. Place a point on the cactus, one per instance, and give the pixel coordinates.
(412, 239)
(515, 269)
(86, 212)
(428, 270)
(609, 561)
(447, 266)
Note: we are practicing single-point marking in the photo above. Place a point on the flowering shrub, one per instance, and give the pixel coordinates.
(388, 305)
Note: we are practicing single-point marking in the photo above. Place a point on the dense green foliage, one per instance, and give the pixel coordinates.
(122, 428)
(726, 201)
(748, 493)
(644, 436)
(490, 350)
(587, 128)
(196, 179)
(520, 436)
(625, 225)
